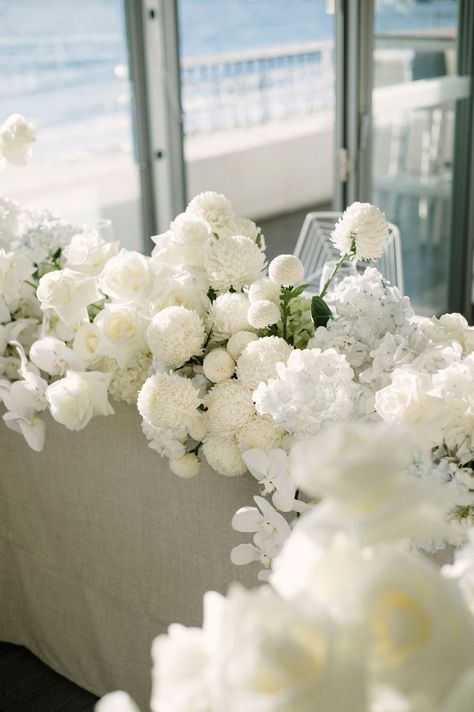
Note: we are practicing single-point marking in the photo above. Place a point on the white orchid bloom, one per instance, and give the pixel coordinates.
(54, 357)
(272, 472)
(33, 430)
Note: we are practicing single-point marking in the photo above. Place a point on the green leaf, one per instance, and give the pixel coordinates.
(320, 311)
(298, 291)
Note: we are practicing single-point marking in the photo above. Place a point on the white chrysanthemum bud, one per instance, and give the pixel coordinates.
(223, 455)
(218, 365)
(168, 401)
(239, 341)
(264, 289)
(229, 407)
(263, 313)
(175, 334)
(258, 361)
(198, 428)
(186, 466)
(362, 230)
(286, 270)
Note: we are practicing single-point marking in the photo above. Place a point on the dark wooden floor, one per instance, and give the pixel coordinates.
(28, 685)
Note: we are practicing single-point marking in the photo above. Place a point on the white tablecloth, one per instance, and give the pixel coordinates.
(101, 548)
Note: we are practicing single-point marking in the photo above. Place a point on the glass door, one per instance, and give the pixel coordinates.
(409, 142)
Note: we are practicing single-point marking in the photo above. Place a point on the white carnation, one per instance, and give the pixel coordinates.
(362, 230)
(233, 261)
(223, 455)
(229, 407)
(218, 365)
(176, 334)
(186, 466)
(259, 359)
(264, 289)
(263, 313)
(228, 315)
(215, 209)
(168, 401)
(239, 341)
(286, 270)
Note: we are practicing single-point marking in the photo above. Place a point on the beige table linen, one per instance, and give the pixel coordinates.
(101, 548)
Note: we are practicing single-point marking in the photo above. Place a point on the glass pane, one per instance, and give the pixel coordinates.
(413, 137)
(64, 66)
(258, 100)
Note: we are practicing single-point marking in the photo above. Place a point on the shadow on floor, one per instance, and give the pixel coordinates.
(28, 685)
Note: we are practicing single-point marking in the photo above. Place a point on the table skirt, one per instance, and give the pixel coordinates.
(101, 548)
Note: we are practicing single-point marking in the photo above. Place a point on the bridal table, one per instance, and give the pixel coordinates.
(101, 548)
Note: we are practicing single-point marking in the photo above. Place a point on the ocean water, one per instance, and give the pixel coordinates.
(63, 62)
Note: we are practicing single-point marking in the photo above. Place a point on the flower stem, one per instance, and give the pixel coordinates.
(332, 275)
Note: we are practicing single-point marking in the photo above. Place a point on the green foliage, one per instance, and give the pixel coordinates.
(320, 311)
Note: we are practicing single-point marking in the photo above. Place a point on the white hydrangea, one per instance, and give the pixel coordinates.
(215, 209)
(223, 455)
(264, 289)
(127, 382)
(168, 401)
(362, 230)
(239, 341)
(176, 334)
(9, 221)
(263, 313)
(228, 315)
(259, 359)
(313, 388)
(234, 261)
(186, 466)
(229, 407)
(166, 442)
(218, 365)
(286, 270)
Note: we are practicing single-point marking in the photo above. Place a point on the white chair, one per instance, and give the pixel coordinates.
(314, 248)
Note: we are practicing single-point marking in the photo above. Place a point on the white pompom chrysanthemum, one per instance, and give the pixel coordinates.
(186, 466)
(239, 341)
(233, 261)
(260, 432)
(258, 360)
(198, 428)
(218, 365)
(264, 288)
(263, 313)
(228, 315)
(229, 407)
(223, 455)
(168, 401)
(286, 270)
(175, 334)
(362, 230)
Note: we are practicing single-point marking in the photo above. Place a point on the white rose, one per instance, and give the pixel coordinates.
(88, 253)
(16, 137)
(127, 277)
(86, 342)
(75, 399)
(68, 293)
(121, 331)
(362, 231)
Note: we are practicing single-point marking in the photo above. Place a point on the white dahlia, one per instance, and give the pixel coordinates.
(218, 365)
(229, 406)
(168, 401)
(260, 432)
(186, 466)
(233, 261)
(362, 230)
(264, 288)
(239, 341)
(215, 209)
(263, 313)
(228, 315)
(258, 360)
(222, 454)
(286, 270)
(175, 334)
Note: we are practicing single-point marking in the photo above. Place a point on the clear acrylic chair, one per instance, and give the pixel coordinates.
(314, 248)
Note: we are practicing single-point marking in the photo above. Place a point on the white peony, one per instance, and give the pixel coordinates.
(87, 252)
(362, 231)
(176, 334)
(259, 359)
(168, 401)
(216, 210)
(264, 289)
(75, 399)
(223, 455)
(286, 270)
(16, 137)
(127, 277)
(263, 313)
(218, 365)
(68, 293)
(229, 407)
(228, 315)
(121, 330)
(54, 357)
(233, 261)
(186, 466)
(238, 342)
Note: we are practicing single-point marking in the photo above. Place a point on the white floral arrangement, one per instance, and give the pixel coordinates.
(229, 362)
(352, 620)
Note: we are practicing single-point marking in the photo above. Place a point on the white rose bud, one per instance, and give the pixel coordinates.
(262, 314)
(75, 399)
(218, 365)
(286, 270)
